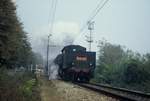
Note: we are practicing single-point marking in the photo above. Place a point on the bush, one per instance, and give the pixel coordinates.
(121, 68)
(20, 86)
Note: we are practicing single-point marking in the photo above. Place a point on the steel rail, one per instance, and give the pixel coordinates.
(119, 93)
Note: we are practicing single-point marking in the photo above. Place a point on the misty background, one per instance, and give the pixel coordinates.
(124, 22)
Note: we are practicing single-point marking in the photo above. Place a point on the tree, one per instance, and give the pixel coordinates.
(122, 68)
(110, 57)
(14, 46)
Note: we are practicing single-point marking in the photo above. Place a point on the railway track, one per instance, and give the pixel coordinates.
(118, 93)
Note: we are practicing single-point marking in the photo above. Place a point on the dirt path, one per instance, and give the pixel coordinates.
(48, 90)
(56, 90)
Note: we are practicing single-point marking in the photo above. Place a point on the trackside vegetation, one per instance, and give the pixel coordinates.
(15, 52)
(15, 49)
(120, 67)
(18, 86)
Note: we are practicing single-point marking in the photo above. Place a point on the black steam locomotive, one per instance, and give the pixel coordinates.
(75, 63)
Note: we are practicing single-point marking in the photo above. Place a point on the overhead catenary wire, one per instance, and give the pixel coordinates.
(98, 8)
(93, 12)
(51, 2)
(52, 15)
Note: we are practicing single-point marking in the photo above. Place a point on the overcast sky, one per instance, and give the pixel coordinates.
(124, 22)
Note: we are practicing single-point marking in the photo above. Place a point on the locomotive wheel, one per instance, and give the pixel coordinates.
(60, 73)
(84, 79)
(87, 80)
(65, 76)
(74, 77)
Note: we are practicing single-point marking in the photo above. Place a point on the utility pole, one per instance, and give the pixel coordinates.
(47, 64)
(90, 28)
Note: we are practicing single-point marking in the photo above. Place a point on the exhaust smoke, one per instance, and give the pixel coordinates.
(53, 71)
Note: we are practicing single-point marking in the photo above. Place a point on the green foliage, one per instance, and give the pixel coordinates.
(18, 86)
(122, 68)
(15, 50)
(28, 87)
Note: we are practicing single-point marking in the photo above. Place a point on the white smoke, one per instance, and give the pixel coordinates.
(53, 71)
(64, 33)
(13, 1)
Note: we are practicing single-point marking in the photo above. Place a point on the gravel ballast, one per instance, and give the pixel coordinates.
(71, 92)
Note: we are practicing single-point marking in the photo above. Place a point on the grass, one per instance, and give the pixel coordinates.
(18, 86)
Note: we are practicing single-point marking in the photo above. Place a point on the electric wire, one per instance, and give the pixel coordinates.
(93, 12)
(52, 15)
(98, 8)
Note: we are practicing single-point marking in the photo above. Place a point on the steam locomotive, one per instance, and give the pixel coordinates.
(75, 63)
